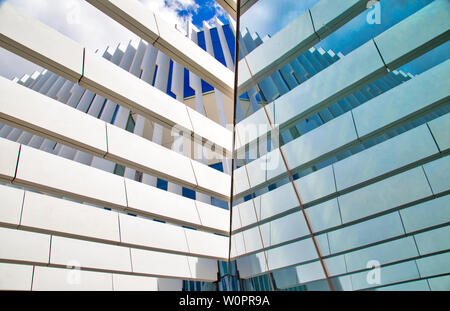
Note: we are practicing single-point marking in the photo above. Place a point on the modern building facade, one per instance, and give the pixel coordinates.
(144, 168)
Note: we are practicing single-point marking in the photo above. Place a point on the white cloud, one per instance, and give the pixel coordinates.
(170, 10)
(78, 20)
(219, 12)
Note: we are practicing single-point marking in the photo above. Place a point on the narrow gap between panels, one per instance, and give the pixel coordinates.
(17, 164)
(82, 66)
(21, 210)
(118, 224)
(434, 138)
(314, 26)
(381, 56)
(157, 28)
(235, 99)
(50, 251)
(428, 181)
(32, 277)
(246, 170)
(107, 140)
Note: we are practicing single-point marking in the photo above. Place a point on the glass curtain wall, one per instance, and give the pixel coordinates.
(341, 167)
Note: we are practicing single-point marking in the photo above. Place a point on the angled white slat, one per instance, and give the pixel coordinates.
(168, 40)
(36, 113)
(131, 92)
(100, 75)
(48, 172)
(406, 101)
(382, 196)
(124, 88)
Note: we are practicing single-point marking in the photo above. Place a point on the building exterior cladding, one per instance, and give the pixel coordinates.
(350, 191)
(340, 172)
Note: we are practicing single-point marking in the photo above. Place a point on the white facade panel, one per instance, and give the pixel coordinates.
(10, 155)
(51, 119)
(61, 279)
(15, 277)
(149, 157)
(93, 255)
(10, 206)
(160, 264)
(49, 214)
(148, 233)
(208, 178)
(23, 246)
(207, 244)
(47, 172)
(161, 204)
(213, 217)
